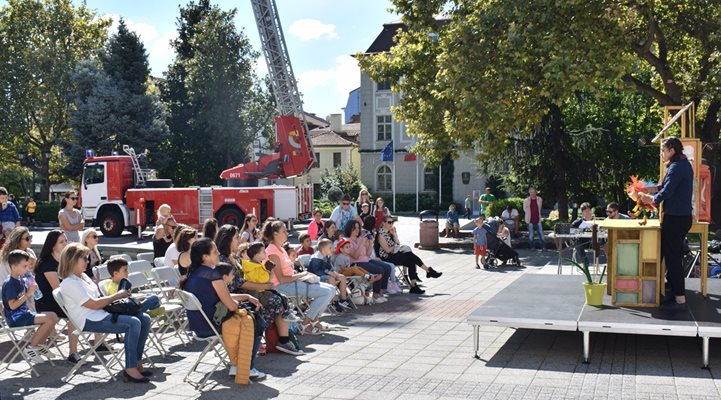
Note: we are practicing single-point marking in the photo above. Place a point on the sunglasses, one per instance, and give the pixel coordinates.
(610, 211)
(93, 236)
(74, 198)
(345, 203)
(390, 222)
(87, 258)
(28, 238)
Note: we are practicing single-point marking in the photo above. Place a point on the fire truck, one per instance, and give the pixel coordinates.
(117, 194)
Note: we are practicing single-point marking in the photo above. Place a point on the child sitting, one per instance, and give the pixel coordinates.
(293, 255)
(118, 270)
(343, 265)
(306, 244)
(479, 241)
(14, 299)
(321, 266)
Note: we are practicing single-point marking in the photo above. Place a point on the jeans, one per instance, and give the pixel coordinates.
(259, 326)
(539, 228)
(380, 268)
(321, 293)
(135, 328)
(150, 303)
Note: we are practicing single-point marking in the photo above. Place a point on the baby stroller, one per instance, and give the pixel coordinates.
(496, 250)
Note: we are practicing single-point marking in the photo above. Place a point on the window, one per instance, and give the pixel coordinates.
(383, 85)
(317, 160)
(94, 173)
(384, 182)
(336, 160)
(384, 127)
(430, 179)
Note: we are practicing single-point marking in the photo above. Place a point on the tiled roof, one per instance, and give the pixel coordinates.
(314, 121)
(352, 130)
(324, 137)
(384, 41)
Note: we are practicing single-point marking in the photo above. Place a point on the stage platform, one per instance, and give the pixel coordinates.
(556, 302)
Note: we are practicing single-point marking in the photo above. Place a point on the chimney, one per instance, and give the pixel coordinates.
(336, 123)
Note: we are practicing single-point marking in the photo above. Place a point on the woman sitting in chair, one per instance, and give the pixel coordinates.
(84, 306)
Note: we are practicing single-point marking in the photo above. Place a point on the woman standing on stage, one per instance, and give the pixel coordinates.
(675, 192)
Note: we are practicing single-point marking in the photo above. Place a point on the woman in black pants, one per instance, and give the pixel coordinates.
(389, 250)
(675, 192)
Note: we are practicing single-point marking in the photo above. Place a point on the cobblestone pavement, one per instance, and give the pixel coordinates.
(419, 347)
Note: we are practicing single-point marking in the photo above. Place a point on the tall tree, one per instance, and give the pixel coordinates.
(217, 103)
(40, 44)
(500, 66)
(114, 104)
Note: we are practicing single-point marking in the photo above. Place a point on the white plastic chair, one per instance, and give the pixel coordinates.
(149, 257)
(84, 336)
(102, 272)
(159, 262)
(123, 256)
(213, 343)
(141, 266)
(20, 339)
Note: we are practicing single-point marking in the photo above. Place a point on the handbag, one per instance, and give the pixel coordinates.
(127, 306)
(310, 278)
(402, 248)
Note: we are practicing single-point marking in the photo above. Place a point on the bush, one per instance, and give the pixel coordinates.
(334, 194)
(496, 208)
(325, 206)
(47, 211)
(345, 179)
(407, 202)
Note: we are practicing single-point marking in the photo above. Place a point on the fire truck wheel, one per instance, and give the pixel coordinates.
(111, 223)
(230, 216)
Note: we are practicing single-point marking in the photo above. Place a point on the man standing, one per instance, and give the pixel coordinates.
(9, 215)
(486, 200)
(31, 211)
(532, 206)
(467, 206)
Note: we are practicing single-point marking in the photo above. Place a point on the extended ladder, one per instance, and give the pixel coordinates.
(139, 175)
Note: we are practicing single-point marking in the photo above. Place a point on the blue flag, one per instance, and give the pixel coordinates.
(387, 154)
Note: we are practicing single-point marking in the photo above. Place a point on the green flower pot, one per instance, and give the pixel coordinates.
(594, 293)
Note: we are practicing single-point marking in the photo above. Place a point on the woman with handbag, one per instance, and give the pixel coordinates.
(294, 284)
(207, 284)
(391, 250)
(85, 306)
(361, 249)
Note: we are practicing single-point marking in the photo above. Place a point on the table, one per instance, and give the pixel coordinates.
(561, 238)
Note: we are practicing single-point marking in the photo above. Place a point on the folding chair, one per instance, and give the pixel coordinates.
(20, 339)
(99, 340)
(159, 262)
(149, 257)
(166, 280)
(101, 271)
(170, 322)
(213, 343)
(123, 256)
(141, 266)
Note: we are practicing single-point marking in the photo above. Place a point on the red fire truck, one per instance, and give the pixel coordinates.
(113, 197)
(117, 194)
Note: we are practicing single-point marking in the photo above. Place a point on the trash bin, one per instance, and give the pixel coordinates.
(429, 229)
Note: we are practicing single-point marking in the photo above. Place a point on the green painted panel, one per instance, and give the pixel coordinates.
(627, 259)
(626, 298)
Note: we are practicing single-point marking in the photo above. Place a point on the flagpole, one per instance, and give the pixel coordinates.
(394, 181)
(416, 184)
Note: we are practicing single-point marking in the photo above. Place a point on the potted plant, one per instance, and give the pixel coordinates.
(594, 290)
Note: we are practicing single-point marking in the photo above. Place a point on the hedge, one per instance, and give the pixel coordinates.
(496, 208)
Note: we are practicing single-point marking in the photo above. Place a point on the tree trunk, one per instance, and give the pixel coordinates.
(559, 142)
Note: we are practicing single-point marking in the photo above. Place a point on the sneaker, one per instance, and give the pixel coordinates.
(34, 354)
(288, 348)
(432, 273)
(46, 352)
(255, 374)
(346, 304)
(74, 358)
(156, 312)
(232, 371)
(337, 307)
(416, 290)
(379, 300)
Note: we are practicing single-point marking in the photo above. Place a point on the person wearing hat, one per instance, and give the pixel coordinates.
(345, 266)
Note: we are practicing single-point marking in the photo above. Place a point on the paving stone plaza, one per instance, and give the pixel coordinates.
(420, 347)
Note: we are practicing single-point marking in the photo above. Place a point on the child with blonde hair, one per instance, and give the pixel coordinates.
(163, 214)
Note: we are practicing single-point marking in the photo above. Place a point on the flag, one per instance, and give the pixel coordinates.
(409, 157)
(387, 154)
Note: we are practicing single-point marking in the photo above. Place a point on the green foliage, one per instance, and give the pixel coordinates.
(217, 103)
(47, 211)
(114, 105)
(326, 206)
(40, 44)
(406, 202)
(346, 179)
(496, 208)
(334, 194)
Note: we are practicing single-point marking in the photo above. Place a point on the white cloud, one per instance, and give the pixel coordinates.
(344, 76)
(157, 44)
(312, 29)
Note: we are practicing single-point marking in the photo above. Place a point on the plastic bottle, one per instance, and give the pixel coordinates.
(29, 281)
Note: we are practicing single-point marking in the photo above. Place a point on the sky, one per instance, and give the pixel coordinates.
(321, 36)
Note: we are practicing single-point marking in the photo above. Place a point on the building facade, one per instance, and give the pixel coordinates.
(378, 129)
